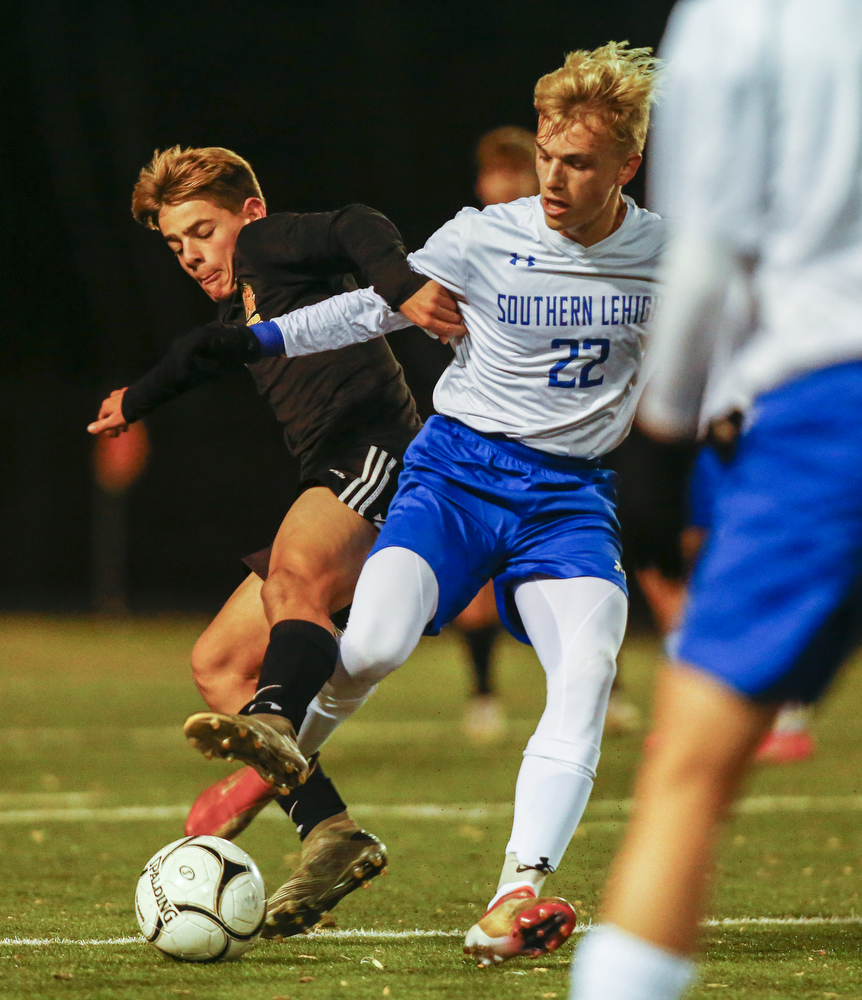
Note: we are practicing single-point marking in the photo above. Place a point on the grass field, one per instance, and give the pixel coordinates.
(97, 774)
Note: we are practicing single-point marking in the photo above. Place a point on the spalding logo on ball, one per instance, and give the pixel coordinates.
(201, 899)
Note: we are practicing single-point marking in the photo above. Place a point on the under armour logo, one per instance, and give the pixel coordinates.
(516, 257)
(543, 866)
(618, 566)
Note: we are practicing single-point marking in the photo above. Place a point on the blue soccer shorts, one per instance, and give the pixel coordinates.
(478, 507)
(776, 598)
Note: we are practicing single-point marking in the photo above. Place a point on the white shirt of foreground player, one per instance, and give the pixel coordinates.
(757, 157)
(556, 331)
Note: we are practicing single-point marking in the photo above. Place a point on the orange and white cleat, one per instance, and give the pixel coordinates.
(790, 739)
(226, 808)
(785, 748)
(520, 923)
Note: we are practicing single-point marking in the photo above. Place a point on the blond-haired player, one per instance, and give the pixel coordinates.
(557, 293)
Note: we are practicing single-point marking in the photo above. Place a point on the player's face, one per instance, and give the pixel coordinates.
(203, 236)
(499, 184)
(581, 171)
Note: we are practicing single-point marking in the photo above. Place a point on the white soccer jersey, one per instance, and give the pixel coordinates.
(757, 155)
(557, 331)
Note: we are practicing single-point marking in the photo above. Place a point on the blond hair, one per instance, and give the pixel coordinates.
(176, 175)
(613, 84)
(509, 147)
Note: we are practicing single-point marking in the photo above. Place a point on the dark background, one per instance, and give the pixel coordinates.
(379, 101)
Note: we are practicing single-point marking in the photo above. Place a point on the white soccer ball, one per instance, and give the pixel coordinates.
(201, 899)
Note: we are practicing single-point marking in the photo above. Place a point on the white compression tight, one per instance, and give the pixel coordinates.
(576, 627)
(395, 598)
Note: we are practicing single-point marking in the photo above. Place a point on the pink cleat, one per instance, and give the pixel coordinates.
(226, 808)
(785, 748)
(519, 923)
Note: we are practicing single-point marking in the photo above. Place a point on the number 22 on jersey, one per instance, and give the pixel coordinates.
(582, 379)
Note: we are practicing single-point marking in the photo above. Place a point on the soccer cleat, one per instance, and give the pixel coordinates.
(265, 742)
(785, 748)
(520, 924)
(337, 857)
(226, 808)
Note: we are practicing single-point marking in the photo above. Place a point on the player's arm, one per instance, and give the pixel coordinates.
(356, 317)
(206, 353)
(361, 239)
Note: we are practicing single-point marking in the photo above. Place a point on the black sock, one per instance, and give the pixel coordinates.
(480, 642)
(299, 659)
(311, 803)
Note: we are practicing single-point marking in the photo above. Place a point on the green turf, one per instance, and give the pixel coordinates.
(93, 710)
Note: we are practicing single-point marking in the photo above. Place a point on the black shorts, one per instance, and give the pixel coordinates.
(365, 481)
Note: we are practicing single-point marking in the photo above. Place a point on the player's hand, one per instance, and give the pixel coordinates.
(111, 421)
(434, 309)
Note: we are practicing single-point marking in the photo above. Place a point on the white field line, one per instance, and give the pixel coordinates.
(363, 934)
(470, 811)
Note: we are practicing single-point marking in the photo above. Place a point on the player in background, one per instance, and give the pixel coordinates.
(758, 158)
(347, 417)
(505, 483)
(506, 162)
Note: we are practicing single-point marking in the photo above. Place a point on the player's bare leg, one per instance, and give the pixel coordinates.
(315, 562)
(226, 658)
(316, 559)
(706, 737)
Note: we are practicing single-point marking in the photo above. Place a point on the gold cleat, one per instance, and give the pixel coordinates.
(265, 742)
(337, 857)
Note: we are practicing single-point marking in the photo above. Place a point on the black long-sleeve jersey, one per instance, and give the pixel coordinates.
(328, 403)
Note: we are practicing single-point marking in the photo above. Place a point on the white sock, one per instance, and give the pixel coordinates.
(550, 798)
(612, 964)
(325, 714)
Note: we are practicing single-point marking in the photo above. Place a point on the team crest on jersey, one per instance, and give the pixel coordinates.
(250, 304)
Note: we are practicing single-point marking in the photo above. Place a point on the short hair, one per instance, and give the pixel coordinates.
(612, 83)
(509, 147)
(176, 175)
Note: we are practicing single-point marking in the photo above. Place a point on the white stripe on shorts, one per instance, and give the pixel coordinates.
(389, 467)
(373, 480)
(356, 483)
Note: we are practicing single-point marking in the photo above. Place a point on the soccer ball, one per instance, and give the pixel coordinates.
(201, 899)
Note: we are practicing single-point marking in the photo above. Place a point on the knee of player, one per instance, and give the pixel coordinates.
(598, 668)
(370, 654)
(211, 659)
(298, 578)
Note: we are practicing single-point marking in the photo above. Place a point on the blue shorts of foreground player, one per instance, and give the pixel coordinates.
(776, 599)
(477, 507)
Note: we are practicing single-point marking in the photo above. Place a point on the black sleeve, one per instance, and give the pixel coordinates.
(355, 238)
(206, 353)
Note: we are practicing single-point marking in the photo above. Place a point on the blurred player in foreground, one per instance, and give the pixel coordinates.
(759, 159)
(347, 418)
(671, 555)
(506, 482)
